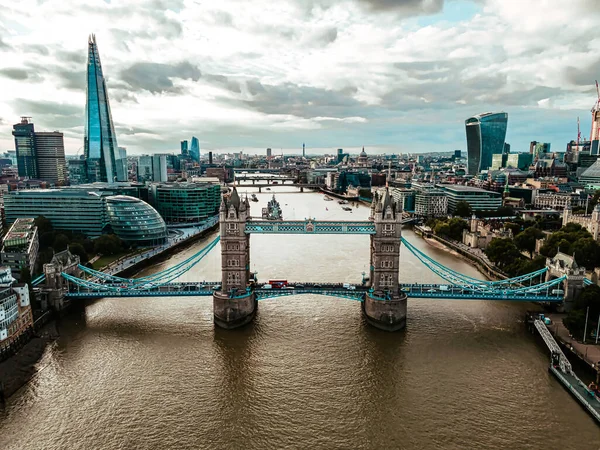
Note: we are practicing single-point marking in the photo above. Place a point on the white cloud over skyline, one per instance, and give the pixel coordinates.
(398, 75)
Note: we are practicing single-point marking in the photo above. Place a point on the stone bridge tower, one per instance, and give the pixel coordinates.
(235, 304)
(563, 264)
(385, 303)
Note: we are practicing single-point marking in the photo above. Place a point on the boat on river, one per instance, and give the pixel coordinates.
(347, 208)
(327, 198)
(254, 198)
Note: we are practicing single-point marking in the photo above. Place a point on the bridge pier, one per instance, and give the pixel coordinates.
(259, 189)
(301, 188)
(385, 304)
(235, 312)
(385, 314)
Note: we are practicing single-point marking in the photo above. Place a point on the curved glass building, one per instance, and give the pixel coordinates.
(186, 204)
(100, 141)
(486, 134)
(135, 221)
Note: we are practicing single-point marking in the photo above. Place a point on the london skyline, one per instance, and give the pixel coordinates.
(392, 76)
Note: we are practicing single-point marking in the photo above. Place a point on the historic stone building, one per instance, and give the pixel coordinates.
(235, 304)
(589, 222)
(385, 304)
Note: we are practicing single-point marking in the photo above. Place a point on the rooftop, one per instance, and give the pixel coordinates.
(461, 188)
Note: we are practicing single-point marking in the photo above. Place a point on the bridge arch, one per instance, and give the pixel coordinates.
(384, 304)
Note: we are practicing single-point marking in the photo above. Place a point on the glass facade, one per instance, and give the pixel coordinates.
(486, 134)
(195, 149)
(68, 209)
(184, 204)
(25, 148)
(478, 199)
(135, 221)
(100, 142)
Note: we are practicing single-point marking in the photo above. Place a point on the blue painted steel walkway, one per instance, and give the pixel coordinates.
(528, 287)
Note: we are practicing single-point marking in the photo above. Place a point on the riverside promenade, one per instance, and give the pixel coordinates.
(177, 236)
(588, 353)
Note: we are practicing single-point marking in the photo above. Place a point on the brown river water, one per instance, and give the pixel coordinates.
(309, 373)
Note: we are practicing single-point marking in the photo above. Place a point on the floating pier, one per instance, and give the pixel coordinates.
(561, 368)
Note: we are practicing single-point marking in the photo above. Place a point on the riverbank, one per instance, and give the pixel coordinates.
(474, 260)
(17, 370)
(20, 368)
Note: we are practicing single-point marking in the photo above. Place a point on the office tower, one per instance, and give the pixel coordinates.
(159, 168)
(100, 141)
(303, 150)
(195, 149)
(121, 164)
(539, 150)
(457, 154)
(50, 156)
(25, 147)
(485, 137)
(268, 153)
(210, 158)
(184, 148)
(76, 171)
(144, 168)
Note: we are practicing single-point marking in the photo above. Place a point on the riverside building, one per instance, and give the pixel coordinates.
(20, 247)
(186, 204)
(478, 199)
(90, 212)
(16, 319)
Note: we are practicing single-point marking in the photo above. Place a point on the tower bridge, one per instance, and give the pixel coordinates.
(383, 297)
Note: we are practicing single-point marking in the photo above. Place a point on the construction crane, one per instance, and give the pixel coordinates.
(595, 133)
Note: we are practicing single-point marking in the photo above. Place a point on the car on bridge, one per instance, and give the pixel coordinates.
(216, 287)
(299, 286)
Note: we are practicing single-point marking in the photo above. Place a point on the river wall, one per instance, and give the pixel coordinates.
(17, 370)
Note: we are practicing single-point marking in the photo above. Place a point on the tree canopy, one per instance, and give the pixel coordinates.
(463, 209)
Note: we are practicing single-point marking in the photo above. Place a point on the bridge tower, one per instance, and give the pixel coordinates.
(235, 304)
(563, 264)
(385, 303)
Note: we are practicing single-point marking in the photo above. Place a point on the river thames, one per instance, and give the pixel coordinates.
(309, 373)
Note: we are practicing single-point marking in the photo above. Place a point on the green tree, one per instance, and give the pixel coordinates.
(77, 249)
(47, 239)
(108, 244)
(502, 252)
(88, 245)
(586, 252)
(43, 224)
(526, 239)
(463, 209)
(575, 323)
(505, 211)
(60, 243)
(575, 320)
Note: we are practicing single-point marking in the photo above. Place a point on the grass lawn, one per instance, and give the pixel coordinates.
(107, 259)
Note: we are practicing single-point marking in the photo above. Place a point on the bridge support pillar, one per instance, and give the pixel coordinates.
(301, 188)
(259, 189)
(388, 315)
(232, 313)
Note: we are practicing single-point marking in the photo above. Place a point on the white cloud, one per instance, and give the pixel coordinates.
(282, 71)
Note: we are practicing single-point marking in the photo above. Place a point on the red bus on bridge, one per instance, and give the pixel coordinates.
(278, 284)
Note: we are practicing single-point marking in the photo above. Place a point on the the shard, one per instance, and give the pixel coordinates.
(100, 142)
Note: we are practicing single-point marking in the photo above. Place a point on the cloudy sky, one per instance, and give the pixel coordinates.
(392, 75)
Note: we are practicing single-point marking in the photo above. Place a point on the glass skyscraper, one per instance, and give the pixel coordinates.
(25, 147)
(100, 142)
(485, 137)
(195, 149)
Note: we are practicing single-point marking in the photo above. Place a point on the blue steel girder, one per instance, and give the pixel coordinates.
(263, 294)
(309, 227)
(457, 293)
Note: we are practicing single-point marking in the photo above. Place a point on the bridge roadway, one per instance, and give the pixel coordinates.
(354, 292)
